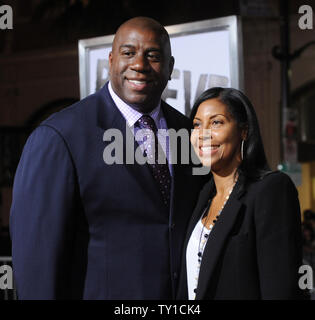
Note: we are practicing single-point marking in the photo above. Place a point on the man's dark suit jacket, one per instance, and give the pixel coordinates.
(83, 229)
(254, 250)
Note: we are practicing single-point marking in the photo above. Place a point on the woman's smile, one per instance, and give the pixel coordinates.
(208, 150)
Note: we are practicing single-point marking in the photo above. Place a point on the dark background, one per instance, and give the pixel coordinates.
(39, 70)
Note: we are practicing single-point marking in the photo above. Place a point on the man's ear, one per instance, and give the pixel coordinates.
(171, 67)
(110, 58)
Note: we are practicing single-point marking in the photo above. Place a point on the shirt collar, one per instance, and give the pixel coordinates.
(130, 114)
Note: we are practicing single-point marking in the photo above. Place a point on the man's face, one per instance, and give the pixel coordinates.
(140, 66)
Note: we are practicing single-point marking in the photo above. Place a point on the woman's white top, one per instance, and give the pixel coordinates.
(197, 243)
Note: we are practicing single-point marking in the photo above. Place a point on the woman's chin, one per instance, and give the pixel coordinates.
(206, 162)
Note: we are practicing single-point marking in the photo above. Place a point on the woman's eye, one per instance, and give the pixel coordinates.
(196, 125)
(217, 122)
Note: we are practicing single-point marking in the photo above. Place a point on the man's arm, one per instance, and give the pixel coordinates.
(41, 217)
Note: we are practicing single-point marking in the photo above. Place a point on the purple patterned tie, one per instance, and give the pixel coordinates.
(160, 171)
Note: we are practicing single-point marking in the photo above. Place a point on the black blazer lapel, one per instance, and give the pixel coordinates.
(216, 241)
(202, 205)
(203, 202)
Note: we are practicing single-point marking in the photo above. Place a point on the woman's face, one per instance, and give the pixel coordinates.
(216, 137)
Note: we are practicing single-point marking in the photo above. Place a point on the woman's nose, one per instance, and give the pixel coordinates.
(205, 134)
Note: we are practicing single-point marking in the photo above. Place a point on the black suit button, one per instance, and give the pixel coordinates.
(173, 226)
(175, 275)
(195, 290)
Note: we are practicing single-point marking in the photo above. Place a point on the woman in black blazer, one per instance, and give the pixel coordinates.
(244, 238)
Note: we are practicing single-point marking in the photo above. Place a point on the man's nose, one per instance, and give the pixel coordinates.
(140, 64)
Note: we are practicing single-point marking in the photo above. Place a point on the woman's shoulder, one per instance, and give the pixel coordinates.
(276, 176)
(273, 181)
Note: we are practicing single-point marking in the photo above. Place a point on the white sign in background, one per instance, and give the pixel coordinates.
(202, 61)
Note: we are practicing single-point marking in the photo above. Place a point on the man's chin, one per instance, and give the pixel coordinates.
(142, 105)
(143, 108)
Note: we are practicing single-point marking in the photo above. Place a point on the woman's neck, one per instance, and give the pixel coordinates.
(224, 182)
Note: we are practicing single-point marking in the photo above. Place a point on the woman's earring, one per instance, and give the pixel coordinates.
(242, 150)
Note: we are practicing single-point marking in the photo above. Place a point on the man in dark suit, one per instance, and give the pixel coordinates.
(85, 229)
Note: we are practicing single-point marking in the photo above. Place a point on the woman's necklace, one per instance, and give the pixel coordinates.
(205, 234)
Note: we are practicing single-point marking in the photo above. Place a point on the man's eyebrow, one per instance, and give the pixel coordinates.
(126, 46)
(130, 46)
(153, 49)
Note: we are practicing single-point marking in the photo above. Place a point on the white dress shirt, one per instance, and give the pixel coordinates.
(197, 243)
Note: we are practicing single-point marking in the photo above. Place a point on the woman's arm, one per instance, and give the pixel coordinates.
(278, 237)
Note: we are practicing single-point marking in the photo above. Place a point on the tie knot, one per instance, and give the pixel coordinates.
(146, 122)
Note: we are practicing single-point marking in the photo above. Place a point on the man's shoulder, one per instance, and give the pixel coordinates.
(171, 113)
(77, 115)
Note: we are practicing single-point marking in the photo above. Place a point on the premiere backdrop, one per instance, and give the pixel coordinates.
(207, 54)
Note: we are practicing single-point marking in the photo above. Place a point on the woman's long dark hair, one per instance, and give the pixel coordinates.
(254, 165)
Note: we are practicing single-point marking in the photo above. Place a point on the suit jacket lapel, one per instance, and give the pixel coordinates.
(216, 241)
(175, 152)
(109, 117)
